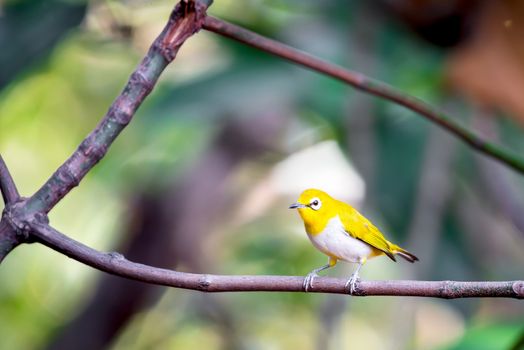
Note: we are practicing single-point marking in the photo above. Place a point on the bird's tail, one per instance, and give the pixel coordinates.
(404, 254)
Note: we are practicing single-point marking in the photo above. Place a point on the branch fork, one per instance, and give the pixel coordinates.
(189, 18)
(24, 220)
(20, 220)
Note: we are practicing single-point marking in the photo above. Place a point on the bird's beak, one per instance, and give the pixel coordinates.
(297, 206)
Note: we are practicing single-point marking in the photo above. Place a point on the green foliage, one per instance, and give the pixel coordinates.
(50, 106)
(494, 336)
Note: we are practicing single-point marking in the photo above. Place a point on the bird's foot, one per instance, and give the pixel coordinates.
(351, 284)
(308, 281)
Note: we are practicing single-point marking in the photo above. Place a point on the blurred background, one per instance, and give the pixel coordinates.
(201, 179)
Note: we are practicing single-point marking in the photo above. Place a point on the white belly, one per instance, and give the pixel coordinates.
(334, 241)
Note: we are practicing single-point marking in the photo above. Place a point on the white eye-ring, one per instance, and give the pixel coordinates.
(315, 203)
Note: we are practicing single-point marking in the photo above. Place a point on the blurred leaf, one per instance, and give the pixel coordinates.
(495, 336)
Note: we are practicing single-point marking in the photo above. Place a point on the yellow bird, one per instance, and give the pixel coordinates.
(342, 233)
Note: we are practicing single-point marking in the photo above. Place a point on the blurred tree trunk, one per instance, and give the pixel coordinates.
(496, 180)
(434, 192)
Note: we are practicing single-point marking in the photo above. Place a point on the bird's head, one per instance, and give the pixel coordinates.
(315, 207)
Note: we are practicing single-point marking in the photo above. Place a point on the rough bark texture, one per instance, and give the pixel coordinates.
(8, 239)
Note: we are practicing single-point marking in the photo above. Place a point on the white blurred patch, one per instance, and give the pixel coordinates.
(437, 325)
(322, 166)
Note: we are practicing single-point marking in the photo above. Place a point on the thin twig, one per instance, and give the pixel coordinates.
(185, 20)
(366, 84)
(116, 264)
(7, 185)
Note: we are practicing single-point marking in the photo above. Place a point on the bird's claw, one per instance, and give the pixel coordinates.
(308, 281)
(351, 284)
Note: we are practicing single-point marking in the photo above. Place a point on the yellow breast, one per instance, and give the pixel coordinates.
(317, 224)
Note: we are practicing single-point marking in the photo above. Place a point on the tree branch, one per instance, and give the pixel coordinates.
(116, 264)
(25, 220)
(185, 20)
(9, 240)
(365, 84)
(7, 185)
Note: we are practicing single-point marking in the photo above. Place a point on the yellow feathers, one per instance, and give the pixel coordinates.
(341, 232)
(315, 220)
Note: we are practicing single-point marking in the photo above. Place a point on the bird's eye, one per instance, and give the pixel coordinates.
(315, 204)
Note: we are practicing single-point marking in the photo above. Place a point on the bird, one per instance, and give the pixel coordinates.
(342, 233)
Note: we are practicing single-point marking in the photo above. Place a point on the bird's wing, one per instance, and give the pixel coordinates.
(357, 226)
